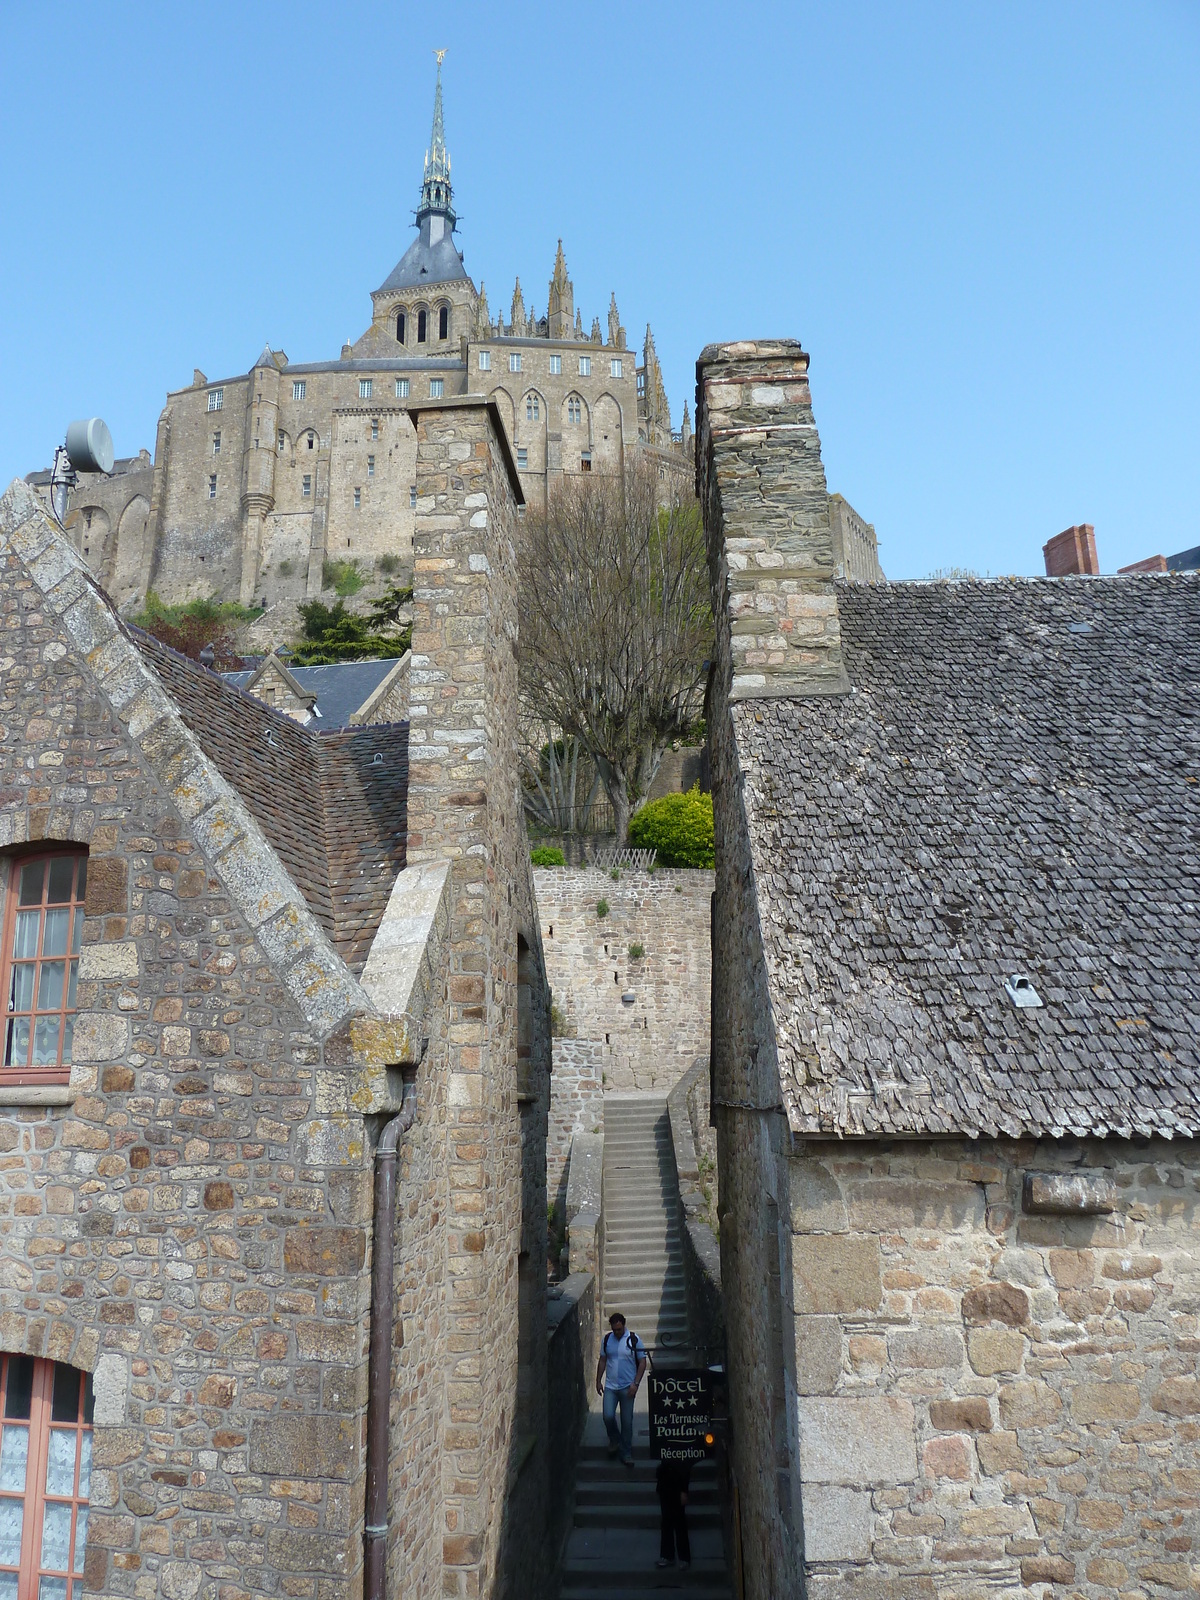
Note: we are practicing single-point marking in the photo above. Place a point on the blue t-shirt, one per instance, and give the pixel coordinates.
(621, 1357)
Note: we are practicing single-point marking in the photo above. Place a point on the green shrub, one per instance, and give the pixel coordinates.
(547, 855)
(614, 875)
(344, 577)
(679, 827)
(601, 908)
(388, 563)
(636, 952)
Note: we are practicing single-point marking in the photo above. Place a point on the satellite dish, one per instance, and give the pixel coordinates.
(90, 446)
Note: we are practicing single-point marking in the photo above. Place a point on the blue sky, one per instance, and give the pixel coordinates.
(980, 220)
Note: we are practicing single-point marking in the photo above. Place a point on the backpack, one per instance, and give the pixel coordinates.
(633, 1345)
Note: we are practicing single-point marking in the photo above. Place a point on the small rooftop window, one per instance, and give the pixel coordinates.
(1021, 992)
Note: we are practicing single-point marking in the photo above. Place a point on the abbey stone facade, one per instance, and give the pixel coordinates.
(259, 479)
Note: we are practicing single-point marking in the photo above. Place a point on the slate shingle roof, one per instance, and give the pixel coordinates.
(341, 687)
(336, 818)
(998, 794)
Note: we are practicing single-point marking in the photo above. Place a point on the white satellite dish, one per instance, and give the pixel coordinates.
(90, 446)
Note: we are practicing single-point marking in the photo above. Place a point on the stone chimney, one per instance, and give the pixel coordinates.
(766, 517)
(1072, 553)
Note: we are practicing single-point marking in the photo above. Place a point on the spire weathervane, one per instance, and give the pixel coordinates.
(436, 194)
(441, 56)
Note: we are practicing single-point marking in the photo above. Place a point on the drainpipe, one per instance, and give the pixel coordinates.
(379, 1363)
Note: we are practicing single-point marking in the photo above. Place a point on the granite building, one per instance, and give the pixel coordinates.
(274, 999)
(260, 478)
(955, 1071)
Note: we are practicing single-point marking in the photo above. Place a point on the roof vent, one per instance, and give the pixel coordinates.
(377, 759)
(1021, 992)
(1080, 627)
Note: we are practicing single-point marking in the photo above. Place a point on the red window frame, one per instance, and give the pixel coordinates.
(34, 977)
(46, 1416)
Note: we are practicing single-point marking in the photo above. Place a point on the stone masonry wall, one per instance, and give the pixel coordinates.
(464, 807)
(190, 1218)
(997, 1399)
(648, 1043)
(576, 1106)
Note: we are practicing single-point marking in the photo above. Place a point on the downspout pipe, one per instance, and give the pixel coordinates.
(379, 1362)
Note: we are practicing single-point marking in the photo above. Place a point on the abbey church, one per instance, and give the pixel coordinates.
(260, 479)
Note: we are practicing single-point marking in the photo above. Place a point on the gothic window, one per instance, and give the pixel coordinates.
(43, 927)
(45, 1473)
(444, 323)
(532, 408)
(574, 408)
(312, 441)
(401, 325)
(422, 326)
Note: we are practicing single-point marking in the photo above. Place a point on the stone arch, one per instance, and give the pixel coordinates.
(530, 432)
(442, 317)
(420, 322)
(125, 578)
(607, 436)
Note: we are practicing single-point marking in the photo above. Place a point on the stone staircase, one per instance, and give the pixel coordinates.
(613, 1545)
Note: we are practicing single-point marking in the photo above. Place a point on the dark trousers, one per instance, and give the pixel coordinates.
(674, 1526)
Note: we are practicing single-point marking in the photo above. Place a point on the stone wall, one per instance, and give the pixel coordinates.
(650, 1041)
(996, 1397)
(464, 806)
(576, 1106)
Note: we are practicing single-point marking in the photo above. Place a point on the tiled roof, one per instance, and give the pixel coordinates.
(1010, 787)
(336, 817)
(341, 687)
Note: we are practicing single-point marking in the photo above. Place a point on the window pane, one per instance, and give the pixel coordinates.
(65, 1405)
(62, 876)
(8, 1586)
(60, 1459)
(26, 934)
(81, 1521)
(12, 1516)
(81, 886)
(56, 932)
(14, 1456)
(85, 1453)
(56, 1537)
(22, 987)
(77, 933)
(32, 878)
(50, 985)
(52, 1589)
(71, 986)
(68, 1040)
(45, 1042)
(20, 1387)
(16, 1044)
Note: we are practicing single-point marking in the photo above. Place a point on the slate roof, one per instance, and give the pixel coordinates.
(336, 818)
(998, 794)
(426, 262)
(341, 687)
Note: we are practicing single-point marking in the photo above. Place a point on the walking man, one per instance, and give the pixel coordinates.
(619, 1374)
(671, 1484)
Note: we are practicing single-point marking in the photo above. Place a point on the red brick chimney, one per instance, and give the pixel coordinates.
(1149, 564)
(1072, 553)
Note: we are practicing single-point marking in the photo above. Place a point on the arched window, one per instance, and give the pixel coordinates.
(444, 323)
(532, 409)
(574, 408)
(422, 327)
(400, 327)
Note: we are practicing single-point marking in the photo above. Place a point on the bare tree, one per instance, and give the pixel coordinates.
(616, 626)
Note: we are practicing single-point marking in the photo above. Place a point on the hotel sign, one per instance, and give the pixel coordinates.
(681, 1414)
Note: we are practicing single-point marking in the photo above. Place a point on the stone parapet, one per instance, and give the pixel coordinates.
(702, 1254)
(766, 512)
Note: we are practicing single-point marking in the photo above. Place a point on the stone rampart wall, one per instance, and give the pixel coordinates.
(995, 1397)
(649, 1042)
(576, 1106)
